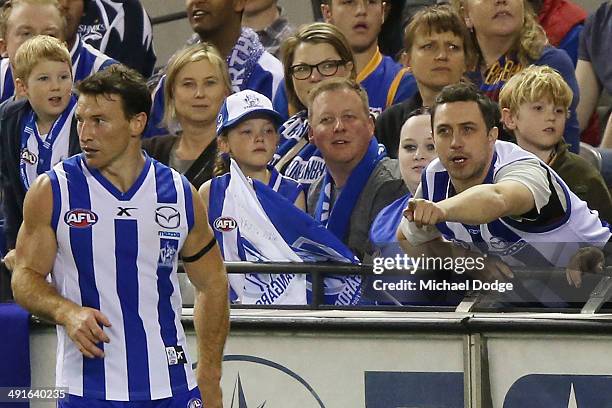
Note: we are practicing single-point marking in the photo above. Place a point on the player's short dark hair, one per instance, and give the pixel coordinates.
(463, 92)
(123, 81)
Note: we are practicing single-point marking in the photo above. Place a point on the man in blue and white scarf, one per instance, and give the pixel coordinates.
(250, 65)
(359, 179)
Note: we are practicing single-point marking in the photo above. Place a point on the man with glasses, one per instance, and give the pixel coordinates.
(385, 81)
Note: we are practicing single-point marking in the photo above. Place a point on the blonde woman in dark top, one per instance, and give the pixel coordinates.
(197, 83)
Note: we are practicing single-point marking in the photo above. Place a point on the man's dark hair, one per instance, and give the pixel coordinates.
(462, 92)
(123, 81)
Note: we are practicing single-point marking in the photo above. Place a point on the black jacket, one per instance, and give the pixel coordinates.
(200, 171)
(12, 116)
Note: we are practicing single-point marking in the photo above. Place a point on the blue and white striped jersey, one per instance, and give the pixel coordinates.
(121, 30)
(117, 252)
(525, 242)
(86, 60)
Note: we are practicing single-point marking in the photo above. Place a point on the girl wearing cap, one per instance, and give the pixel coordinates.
(197, 82)
(246, 129)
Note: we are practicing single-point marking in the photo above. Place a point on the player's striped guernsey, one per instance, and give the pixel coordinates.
(117, 252)
(521, 243)
(86, 60)
(386, 82)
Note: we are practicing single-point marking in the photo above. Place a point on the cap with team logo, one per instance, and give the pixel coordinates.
(240, 105)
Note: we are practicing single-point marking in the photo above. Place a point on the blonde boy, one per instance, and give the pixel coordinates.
(535, 105)
(39, 131)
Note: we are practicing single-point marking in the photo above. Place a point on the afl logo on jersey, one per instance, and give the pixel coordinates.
(195, 403)
(28, 157)
(225, 224)
(80, 218)
(167, 217)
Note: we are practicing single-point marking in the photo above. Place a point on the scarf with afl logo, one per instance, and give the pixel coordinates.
(254, 223)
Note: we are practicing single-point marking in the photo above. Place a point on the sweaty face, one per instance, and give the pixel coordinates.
(495, 17)
(313, 54)
(538, 125)
(27, 21)
(48, 88)
(104, 131)
(416, 149)
(341, 127)
(199, 91)
(210, 16)
(73, 11)
(252, 143)
(437, 59)
(462, 142)
(359, 20)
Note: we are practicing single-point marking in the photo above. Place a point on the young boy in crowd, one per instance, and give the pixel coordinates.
(36, 132)
(534, 106)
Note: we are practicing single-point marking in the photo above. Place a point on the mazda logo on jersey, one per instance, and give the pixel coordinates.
(80, 218)
(225, 224)
(167, 217)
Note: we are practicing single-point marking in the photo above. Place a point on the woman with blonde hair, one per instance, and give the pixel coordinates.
(197, 83)
(508, 38)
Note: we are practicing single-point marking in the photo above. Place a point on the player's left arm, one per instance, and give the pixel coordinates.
(204, 266)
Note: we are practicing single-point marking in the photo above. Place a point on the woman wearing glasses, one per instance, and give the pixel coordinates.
(315, 52)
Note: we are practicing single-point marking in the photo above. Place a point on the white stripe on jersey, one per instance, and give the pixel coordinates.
(106, 206)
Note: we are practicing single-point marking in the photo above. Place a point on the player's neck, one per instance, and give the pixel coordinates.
(363, 58)
(261, 19)
(194, 139)
(124, 170)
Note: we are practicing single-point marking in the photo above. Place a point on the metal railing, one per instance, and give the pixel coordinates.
(590, 298)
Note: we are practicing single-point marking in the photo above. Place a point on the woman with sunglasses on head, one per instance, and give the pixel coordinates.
(315, 52)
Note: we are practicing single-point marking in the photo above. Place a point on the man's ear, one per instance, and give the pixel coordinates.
(138, 123)
(326, 12)
(508, 119)
(310, 134)
(493, 134)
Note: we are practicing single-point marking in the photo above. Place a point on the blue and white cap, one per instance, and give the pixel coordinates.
(238, 106)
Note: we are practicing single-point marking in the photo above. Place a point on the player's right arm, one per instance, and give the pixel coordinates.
(36, 249)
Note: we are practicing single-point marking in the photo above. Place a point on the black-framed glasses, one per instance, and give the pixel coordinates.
(325, 68)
